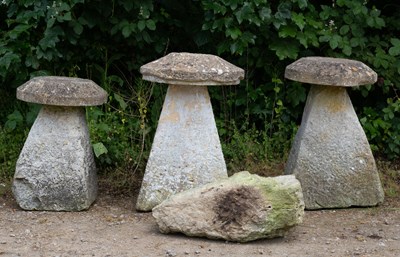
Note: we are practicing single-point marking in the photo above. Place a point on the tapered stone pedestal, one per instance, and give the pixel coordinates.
(186, 150)
(56, 170)
(331, 156)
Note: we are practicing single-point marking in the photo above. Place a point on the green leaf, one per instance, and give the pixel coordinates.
(67, 16)
(302, 4)
(78, 28)
(395, 49)
(14, 119)
(32, 61)
(151, 25)
(379, 22)
(348, 19)
(335, 41)
(245, 13)
(127, 4)
(99, 149)
(287, 31)
(344, 29)
(234, 33)
(298, 19)
(285, 49)
(265, 14)
(14, 33)
(126, 31)
(121, 101)
(347, 50)
(141, 25)
(9, 58)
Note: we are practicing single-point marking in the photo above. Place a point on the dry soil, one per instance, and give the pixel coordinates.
(111, 227)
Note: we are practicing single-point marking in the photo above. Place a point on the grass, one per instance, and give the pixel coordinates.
(389, 172)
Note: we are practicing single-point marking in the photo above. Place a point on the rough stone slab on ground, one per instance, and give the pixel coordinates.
(241, 208)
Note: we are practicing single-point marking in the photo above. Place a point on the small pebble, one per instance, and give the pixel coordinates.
(170, 253)
(197, 252)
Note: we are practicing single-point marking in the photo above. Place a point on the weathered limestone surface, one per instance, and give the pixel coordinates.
(186, 150)
(330, 72)
(56, 170)
(192, 69)
(62, 91)
(241, 208)
(330, 155)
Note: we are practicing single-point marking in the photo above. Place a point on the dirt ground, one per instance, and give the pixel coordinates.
(111, 227)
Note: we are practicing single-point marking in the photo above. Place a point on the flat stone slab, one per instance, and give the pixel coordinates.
(56, 170)
(192, 69)
(330, 72)
(331, 156)
(62, 91)
(186, 151)
(241, 208)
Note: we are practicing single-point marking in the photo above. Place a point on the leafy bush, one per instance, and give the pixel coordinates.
(107, 41)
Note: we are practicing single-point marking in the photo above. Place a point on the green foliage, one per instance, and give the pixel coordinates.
(11, 143)
(383, 128)
(49, 37)
(107, 41)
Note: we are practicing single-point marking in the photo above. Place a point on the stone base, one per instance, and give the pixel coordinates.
(331, 156)
(56, 170)
(186, 150)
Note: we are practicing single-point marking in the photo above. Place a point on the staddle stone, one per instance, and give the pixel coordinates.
(330, 155)
(186, 150)
(241, 208)
(56, 170)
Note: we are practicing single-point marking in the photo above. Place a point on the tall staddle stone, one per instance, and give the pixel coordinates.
(56, 170)
(331, 156)
(186, 150)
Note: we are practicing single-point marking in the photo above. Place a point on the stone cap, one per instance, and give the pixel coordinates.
(331, 72)
(192, 69)
(62, 91)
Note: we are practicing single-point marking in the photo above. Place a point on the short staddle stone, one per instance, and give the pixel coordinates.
(331, 156)
(241, 208)
(56, 170)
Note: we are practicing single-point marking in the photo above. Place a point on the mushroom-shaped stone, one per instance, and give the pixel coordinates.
(186, 150)
(330, 155)
(56, 170)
